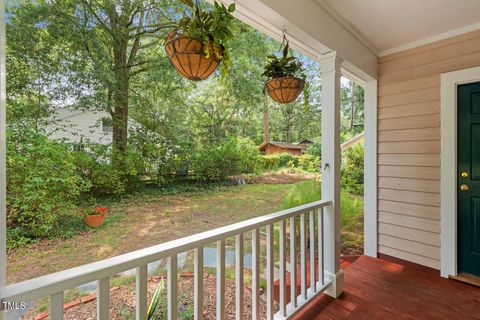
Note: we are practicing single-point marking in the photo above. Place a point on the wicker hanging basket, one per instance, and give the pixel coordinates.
(285, 90)
(187, 56)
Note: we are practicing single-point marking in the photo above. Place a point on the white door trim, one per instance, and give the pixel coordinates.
(448, 209)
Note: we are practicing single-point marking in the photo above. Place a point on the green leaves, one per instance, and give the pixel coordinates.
(214, 26)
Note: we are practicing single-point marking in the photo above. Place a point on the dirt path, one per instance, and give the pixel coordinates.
(146, 221)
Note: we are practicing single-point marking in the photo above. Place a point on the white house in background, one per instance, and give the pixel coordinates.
(76, 126)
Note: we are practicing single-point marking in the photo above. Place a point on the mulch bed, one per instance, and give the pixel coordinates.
(122, 301)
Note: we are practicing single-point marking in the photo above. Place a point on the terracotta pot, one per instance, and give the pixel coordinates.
(94, 221)
(187, 56)
(286, 89)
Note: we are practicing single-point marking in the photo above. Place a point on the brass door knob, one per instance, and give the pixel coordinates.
(464, 187)
(464, 174)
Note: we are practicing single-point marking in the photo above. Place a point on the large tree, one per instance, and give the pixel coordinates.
(109, 43)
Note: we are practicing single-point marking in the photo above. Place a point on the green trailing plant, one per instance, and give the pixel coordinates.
(284, 66)
(215, 27)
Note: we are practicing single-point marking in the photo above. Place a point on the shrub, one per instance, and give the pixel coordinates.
(275, 162)
(352, 169)
(94, 165)
(309, 163)
(228, 158)
(43, 184)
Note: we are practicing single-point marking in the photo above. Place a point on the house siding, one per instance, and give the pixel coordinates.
(409, 145)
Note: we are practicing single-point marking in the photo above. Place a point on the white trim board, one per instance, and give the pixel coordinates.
(448, 208)
(435, 38)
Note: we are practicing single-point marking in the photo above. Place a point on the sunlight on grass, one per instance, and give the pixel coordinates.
(351, 210)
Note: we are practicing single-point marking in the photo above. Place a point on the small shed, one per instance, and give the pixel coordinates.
(273, 147)
(306, 143)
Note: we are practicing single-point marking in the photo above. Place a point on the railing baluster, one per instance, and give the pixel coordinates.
(293, 263)
(269, 273)
(283, 287)
(172, 281)
(56, 306)
(256, 274)
(141, 292)
(198, 284)
(239, 276)
(103, 299)
(221, 280)
(312, 251)
(321, 256)
(303, 254)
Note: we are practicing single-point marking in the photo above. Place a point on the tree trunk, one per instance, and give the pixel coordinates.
(266, 125)
(353, 106)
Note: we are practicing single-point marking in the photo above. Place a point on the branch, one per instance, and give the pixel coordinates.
(136, 43)
(88, 5)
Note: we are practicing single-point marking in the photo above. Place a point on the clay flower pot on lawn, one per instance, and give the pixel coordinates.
(191, 57)
(95, 218)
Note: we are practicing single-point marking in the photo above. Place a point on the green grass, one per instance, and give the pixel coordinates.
(351, 207)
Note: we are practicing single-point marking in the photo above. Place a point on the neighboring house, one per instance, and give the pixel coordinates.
(359, 138)
(75, 126)
(273, 147)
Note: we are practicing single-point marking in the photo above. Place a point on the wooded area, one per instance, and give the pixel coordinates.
(109, 56)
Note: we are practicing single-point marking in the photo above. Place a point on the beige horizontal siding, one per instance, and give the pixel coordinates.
(409, 184)
(409, 209)
(409, 145)
(409, 222)
(419, 160)
(414, 247)
(409, 110)
(409, 256)
(410, 135)
(410, 122)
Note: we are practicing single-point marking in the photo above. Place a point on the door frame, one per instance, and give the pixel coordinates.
(448, 205)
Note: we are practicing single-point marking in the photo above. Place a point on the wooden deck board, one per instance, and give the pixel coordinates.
(381, 289)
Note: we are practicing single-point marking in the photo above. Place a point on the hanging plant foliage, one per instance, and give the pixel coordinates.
(198, 44)
(286, 76)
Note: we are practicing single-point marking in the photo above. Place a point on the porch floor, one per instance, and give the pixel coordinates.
(391, 289)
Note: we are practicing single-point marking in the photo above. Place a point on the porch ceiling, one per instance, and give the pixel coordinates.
(388, 26)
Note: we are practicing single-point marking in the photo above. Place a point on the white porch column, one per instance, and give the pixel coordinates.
(3, 150)
(331, 158)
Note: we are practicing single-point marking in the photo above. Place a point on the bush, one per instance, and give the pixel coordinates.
(352, 169)
(94, 165)
(310, 163)
(43, 185)
(275, 162)
(228, 158)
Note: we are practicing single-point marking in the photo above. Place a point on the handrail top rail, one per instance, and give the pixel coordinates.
(60, 281)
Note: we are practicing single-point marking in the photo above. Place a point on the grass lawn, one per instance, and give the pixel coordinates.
(150, 219)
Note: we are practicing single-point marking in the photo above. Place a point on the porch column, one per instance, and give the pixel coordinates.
(331, 159)
(3, 150)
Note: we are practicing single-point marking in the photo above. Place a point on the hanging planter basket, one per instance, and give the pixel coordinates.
(188, 56)
(286, 89)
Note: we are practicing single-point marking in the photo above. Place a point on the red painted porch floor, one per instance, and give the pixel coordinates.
(386, 289)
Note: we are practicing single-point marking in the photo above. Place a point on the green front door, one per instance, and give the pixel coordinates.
(469, 178)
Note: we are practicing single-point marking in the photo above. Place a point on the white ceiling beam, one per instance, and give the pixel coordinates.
(311, 29)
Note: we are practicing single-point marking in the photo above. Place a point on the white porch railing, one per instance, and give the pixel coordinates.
(309, 216)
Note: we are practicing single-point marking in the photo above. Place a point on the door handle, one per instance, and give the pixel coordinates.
(464, 187)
